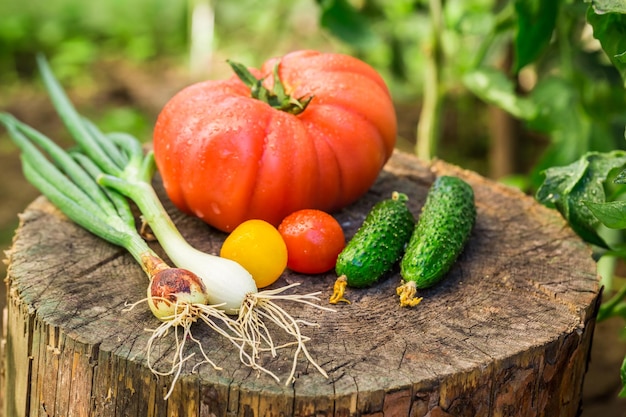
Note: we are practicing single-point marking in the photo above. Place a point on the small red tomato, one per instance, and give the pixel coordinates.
(314, 239)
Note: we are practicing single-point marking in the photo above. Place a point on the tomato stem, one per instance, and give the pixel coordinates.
(276, 97)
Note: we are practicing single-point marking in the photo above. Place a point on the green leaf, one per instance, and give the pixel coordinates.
(570, 188)
(561, 117)
(495, 88)
(559, 182)
(612, 214)
(557, 100)
(609, 6)
(608, 19)
(345, 22)
(620, 178)
(623, 377)
(536, 20)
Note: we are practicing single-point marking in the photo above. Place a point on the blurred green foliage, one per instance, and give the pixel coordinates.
(393, 36)
(75, 33)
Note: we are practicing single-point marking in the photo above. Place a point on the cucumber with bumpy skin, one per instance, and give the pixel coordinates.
(376, 247)
(443, 228)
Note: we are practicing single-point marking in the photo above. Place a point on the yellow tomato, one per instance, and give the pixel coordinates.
(257, 246)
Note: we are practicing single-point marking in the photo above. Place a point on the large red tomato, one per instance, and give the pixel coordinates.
(227, 157)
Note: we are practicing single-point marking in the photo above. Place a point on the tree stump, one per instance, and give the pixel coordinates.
(507, 333)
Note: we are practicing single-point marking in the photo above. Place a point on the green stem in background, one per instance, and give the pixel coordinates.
(504, 19)
(614, 306)
(429, 127)
(567, 30)
(201, 35)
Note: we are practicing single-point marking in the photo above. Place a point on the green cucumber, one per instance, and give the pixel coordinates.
(376, 247)
(444, 226)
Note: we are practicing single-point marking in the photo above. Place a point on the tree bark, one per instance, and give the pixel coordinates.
(507, 333)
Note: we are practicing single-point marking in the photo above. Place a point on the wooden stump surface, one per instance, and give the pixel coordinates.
(507, 333)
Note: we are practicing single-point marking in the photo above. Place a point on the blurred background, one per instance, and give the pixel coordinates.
(506, 88)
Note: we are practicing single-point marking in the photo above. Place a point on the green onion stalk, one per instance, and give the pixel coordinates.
(92, 186)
